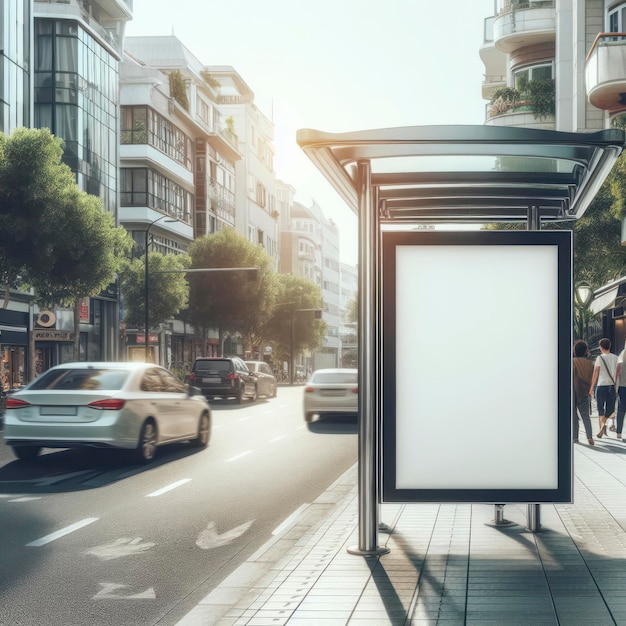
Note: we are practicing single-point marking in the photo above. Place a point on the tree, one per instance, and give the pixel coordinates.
(230, 301)
(294, 293)
(168, 292)
(54, 236)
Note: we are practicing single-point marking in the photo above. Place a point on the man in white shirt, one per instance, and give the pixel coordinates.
(604, 372)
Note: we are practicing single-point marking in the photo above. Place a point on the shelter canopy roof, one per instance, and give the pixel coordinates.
(468, 174)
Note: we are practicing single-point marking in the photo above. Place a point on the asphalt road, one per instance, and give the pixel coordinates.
(88, 538)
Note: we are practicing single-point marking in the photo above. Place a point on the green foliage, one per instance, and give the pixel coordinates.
(54, 237)
(538, 94)
(541, 94)
(168, 293)
(295, 292)
(228, 300)
(230, 125)
(178, 88)
(211, 81)
(352, 314)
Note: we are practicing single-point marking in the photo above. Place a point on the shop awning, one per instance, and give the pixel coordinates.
(604, 301)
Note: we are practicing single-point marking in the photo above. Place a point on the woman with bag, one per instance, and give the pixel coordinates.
(582, 371)
(604, 372)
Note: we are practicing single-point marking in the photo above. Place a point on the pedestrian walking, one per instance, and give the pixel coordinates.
(604, 371)
(620, 376)
(582, 373)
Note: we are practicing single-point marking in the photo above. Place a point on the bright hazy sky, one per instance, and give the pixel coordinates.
(336, 66)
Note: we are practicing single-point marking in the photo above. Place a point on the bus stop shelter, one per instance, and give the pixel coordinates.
(397, 180)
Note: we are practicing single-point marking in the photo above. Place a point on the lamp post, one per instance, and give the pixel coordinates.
(583, 295)
(147, 285)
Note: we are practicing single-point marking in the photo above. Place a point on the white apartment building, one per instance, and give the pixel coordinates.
(256, 216)
(569, 41)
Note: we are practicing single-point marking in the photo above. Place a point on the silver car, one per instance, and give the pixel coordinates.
(266, 383)
(134, 406)
(331, 391)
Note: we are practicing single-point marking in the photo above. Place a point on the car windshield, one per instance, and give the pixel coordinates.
(216, 366)
(335, 377)
(87, 378)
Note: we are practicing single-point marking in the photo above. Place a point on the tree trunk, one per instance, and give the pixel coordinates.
(77, 330)
(32, 372)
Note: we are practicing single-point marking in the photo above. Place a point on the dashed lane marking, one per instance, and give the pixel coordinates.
(61, 533)
(238, 456)
(163, 490)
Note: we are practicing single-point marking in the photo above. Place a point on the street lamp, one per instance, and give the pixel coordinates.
(583, 295)
(147, 284)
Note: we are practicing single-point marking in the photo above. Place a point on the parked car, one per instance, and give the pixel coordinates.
(331, 391)
(223, 377)
(134, 406)
(266, 383)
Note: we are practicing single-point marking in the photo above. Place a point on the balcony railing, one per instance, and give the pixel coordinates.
(517, 5)
(605, 71)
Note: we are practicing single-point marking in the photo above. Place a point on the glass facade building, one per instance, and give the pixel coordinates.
(76, 96)
(15, 40)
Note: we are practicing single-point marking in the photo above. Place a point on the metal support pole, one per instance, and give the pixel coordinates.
(533, 511)
(533, 515)
(368, 492)
(291, 351)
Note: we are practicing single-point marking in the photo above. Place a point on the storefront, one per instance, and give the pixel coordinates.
(13, 347)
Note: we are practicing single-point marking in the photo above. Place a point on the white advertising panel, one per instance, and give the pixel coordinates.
(477, 356)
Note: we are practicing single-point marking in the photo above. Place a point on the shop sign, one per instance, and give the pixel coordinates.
(53, 335)
(152, 338)
(83, 310)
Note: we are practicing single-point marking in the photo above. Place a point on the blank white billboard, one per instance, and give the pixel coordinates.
(480, 394)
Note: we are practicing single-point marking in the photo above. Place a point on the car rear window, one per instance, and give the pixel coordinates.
(214, 367)
(326, 378)
(88, 378)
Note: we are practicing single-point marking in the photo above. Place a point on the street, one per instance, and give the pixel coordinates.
(88, 537)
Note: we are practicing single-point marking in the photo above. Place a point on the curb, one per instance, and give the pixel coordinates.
(239, 591)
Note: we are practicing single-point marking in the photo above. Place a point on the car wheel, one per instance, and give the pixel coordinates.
(255, 394)
(308, 417)
(204, 432)
(146, 448)
(26, 453)
(240, 393)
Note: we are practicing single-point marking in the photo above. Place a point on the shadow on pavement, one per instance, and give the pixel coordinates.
(339, 424)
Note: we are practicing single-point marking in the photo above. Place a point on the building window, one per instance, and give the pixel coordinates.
(617, 19)
(141, 124)
(145, 187)
(534, 72)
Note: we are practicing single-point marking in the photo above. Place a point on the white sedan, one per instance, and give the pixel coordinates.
(332, 390)
(134, 406)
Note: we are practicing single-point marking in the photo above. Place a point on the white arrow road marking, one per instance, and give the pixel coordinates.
(209, 538)
(121, 547)
(61, 533)
(108, 593)
(159, 492)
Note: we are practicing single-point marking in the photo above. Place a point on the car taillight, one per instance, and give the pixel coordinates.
(192, 377)
(110, 404)
(16, 403)
(232, 376)
(309, 390)
(355, 390)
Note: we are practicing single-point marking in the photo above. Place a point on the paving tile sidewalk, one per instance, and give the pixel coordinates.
(448, 564)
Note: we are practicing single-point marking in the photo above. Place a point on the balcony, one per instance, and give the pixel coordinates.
(494, 61)
(605, 72)
(520, 24)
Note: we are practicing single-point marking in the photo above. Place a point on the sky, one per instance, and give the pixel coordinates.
(336, 66)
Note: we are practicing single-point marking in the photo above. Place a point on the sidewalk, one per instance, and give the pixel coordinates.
(448, 564)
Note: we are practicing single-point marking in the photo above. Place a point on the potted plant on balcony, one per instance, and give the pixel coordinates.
(540, 94)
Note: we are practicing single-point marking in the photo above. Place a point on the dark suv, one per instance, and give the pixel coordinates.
(224, 378)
